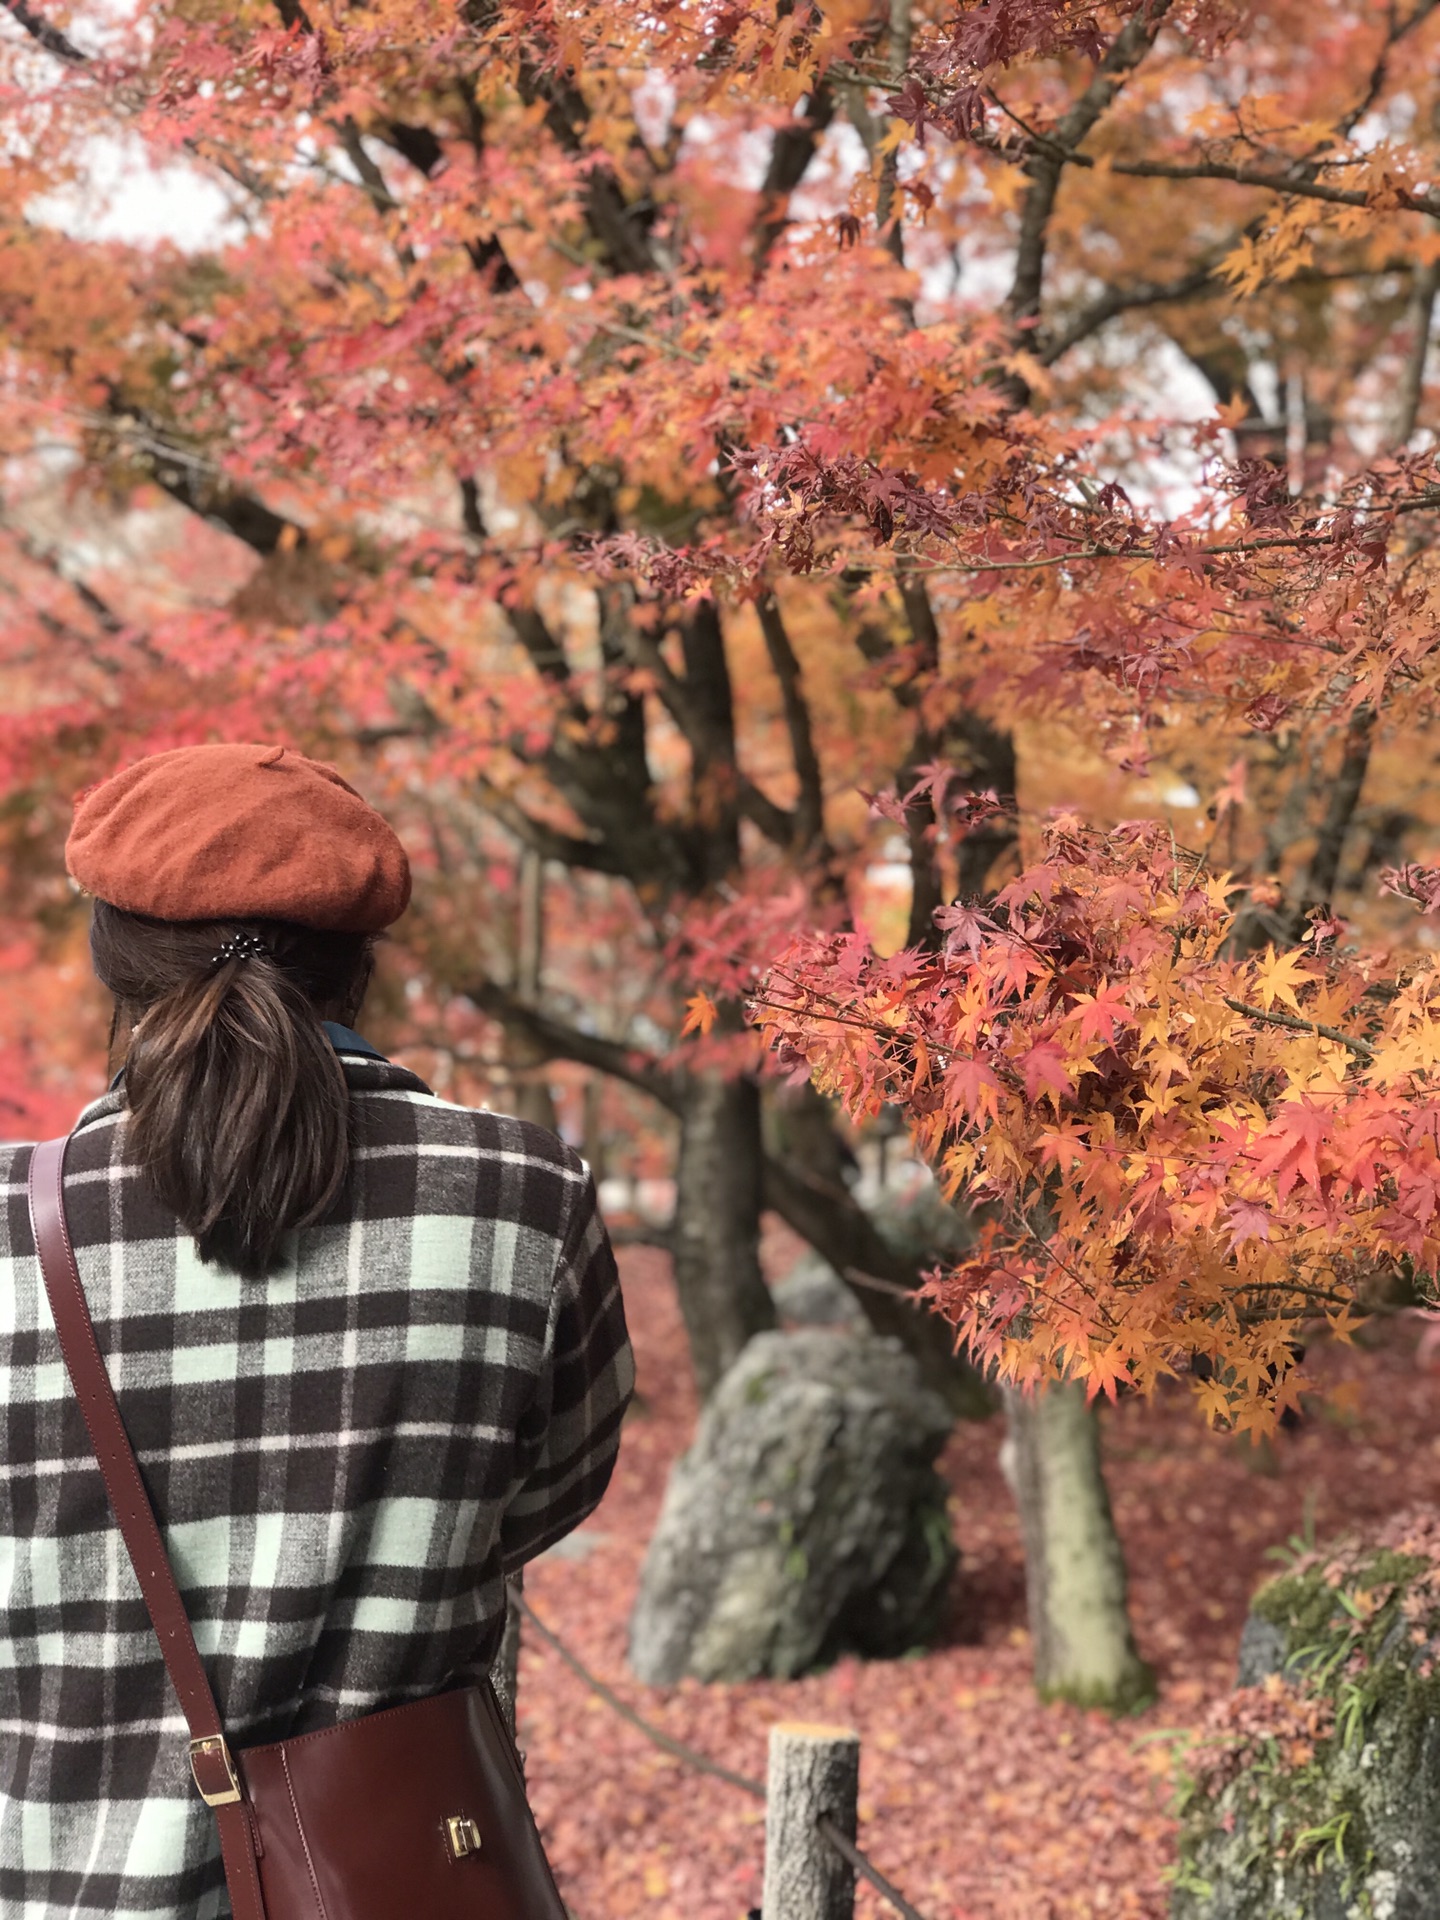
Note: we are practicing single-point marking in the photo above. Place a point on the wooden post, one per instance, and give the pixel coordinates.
(813, 1771)
(505, 1674)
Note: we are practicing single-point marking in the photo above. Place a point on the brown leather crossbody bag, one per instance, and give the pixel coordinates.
(413, 1813)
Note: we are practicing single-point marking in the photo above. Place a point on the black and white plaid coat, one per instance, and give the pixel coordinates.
(344, 1458)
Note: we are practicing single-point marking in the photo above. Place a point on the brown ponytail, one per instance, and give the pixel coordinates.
(239, 1113)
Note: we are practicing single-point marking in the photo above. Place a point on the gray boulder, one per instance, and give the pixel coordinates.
(812, 1294)
(1316, 1793)
(807, 1519)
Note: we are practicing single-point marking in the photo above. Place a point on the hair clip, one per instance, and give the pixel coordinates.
(240, 946)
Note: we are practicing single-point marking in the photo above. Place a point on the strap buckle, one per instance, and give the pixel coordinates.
(208, 1757)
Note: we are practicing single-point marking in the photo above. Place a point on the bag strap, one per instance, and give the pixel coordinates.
(210, 1758)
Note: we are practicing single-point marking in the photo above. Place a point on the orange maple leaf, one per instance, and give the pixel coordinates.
(700, 1014)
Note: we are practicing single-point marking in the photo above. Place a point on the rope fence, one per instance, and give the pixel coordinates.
(807, 1766)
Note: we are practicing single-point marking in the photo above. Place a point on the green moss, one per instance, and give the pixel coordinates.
(1133, 1694)
(1347, 1647)
(1301, 1603)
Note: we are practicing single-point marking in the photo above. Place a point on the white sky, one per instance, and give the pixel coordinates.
(127, 198)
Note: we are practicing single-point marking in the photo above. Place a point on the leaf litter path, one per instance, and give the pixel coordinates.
(980, 1803)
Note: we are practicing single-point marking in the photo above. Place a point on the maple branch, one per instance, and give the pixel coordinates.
(1062, 146)
(888, 205)
(616, 331)
(621, 230)
(607, 785)
(55, 42)
(372, 180)
(808, 819)
(200, 485)
(549, 842)
(1412, 382)
(1118, 300)
(1290, 183)
(1395, 32)
(700, 704)
(50, 560)
(547, 655)
(920, 817)
(555, 1039)
(1272, 1017)
(44, 34)
(884, 1281)
(1340, 811)
(1425, 501)
(1046, 165)
(791, 152)
(526, 622)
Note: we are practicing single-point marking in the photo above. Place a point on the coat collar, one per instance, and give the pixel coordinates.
(366, 1070)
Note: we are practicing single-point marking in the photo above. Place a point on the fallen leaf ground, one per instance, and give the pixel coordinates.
(978, 1802)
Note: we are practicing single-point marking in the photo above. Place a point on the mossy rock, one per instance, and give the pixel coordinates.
(806, 1521)
(1314, 1794)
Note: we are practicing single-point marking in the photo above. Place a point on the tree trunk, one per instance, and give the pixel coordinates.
(821, 1209)
(723, 1295)
(1074, 1570)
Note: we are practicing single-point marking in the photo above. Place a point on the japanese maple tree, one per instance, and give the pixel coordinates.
(705, 449)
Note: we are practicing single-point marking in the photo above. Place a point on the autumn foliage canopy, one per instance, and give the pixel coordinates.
(734, 450)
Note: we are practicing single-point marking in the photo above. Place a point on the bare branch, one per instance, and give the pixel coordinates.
(1339, 812)
(888, 206)
(790, 155)
(809, 817)
(1118, 300)
(554, 1039)
(1203, 278)
(1412, 381)
(44, 34)
(371, 178)
(595, 856)
(1288, 183)
(827, 1215)
(527, 623)
(1274, 1017)
(1395, 32)
(1045, 166)
(920, 822)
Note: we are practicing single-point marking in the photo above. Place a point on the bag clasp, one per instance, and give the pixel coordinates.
(214, 1771)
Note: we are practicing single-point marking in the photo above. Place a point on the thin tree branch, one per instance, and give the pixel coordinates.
(1245, 176)
(1412, 381)
(594, 856)
(708, 730)
(371, 178)
(809, 817)
(1339, 812)
(888, 204)
(1274, 1018)
(920, 818)
(1395, 32)
(1118, 300)
(529, 626)
(555, 1039)
(55, 42)
(44, 34)
(1045, 167)
(791, 152)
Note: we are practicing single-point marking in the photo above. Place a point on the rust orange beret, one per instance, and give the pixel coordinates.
(242, 833)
